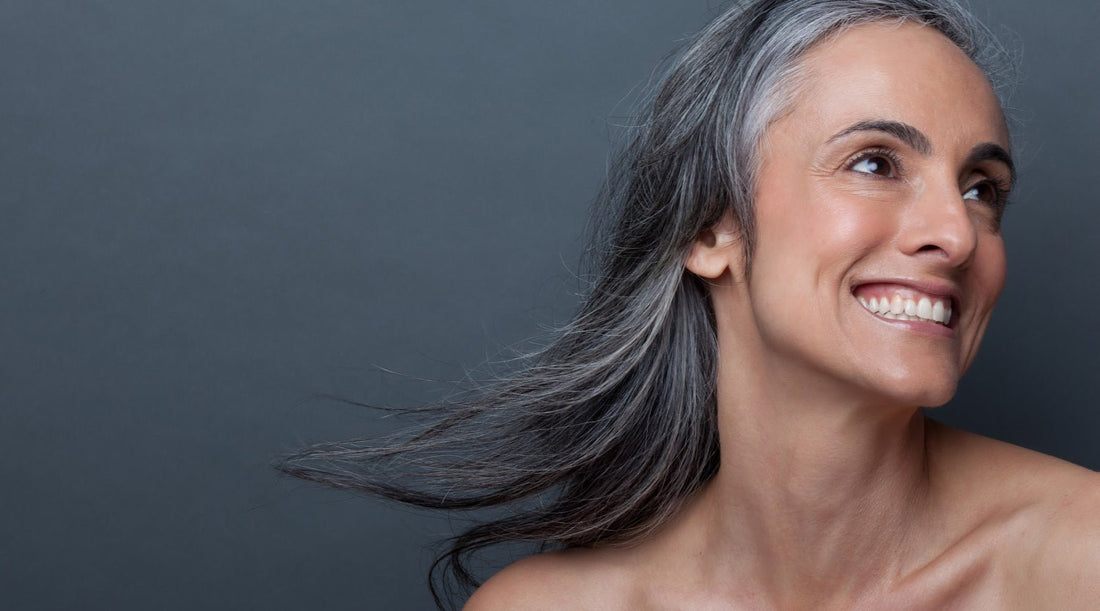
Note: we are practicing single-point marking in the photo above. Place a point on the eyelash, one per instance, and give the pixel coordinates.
(890, 154)
(1000, 188)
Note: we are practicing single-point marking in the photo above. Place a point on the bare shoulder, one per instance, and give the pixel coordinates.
(1007, 472)
(1052, 549)
(569, 579)
(1065, 573)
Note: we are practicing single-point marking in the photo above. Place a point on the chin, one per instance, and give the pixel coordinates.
(936, 399)
(918, 390)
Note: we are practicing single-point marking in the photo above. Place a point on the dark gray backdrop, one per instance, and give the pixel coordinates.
(213, 209)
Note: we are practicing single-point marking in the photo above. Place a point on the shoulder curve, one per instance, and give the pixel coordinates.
(1002, 463)
(522, 584)
(1048, 511)
(548, 581)
(1065, 569)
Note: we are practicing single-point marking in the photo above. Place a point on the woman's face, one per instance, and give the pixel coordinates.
(879, 255)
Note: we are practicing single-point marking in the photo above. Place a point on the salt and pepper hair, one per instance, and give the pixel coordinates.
(603, 434)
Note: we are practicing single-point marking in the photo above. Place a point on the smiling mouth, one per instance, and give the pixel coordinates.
(909, 307)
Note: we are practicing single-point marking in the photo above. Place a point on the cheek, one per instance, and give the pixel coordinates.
(817, 230)
(990, 269)
(987, 280)
(989, 263)
(807, 242)
(854, 227)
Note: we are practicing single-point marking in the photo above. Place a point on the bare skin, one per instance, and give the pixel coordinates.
(884, 180)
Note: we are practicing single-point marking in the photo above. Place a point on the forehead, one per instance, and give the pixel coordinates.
(900, 71)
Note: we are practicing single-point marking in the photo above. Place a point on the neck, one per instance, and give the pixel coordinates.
(817, 492)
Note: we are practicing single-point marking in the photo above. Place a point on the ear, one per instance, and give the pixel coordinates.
(717, 249)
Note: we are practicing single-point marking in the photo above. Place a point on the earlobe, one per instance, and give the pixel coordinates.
(716, 250)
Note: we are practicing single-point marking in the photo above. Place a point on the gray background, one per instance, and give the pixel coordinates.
(213, 209)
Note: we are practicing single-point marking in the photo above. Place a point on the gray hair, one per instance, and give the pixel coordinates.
(604, 433)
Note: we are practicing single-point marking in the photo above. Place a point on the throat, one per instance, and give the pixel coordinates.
(824, 505)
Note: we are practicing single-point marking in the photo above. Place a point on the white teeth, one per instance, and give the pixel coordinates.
(923, 309)
(938, 312)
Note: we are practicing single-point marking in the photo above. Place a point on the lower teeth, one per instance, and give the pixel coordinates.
(893, 316)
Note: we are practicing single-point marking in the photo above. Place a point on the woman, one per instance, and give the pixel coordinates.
(802, 250)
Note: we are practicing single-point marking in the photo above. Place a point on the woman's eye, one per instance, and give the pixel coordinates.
(982, 192)
(879, 165)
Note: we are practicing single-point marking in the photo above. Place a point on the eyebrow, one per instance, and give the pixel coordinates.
(916, 140)
(996, 152)
(908, 134)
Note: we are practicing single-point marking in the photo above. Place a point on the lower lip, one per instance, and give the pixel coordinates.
(930, 328)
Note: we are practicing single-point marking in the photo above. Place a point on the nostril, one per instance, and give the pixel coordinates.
(928, 247)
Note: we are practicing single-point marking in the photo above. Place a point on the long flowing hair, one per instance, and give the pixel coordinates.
(601, 436)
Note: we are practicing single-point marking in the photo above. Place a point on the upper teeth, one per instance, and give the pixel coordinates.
(901, 308)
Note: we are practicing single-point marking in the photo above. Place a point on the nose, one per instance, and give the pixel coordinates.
(938, 224)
